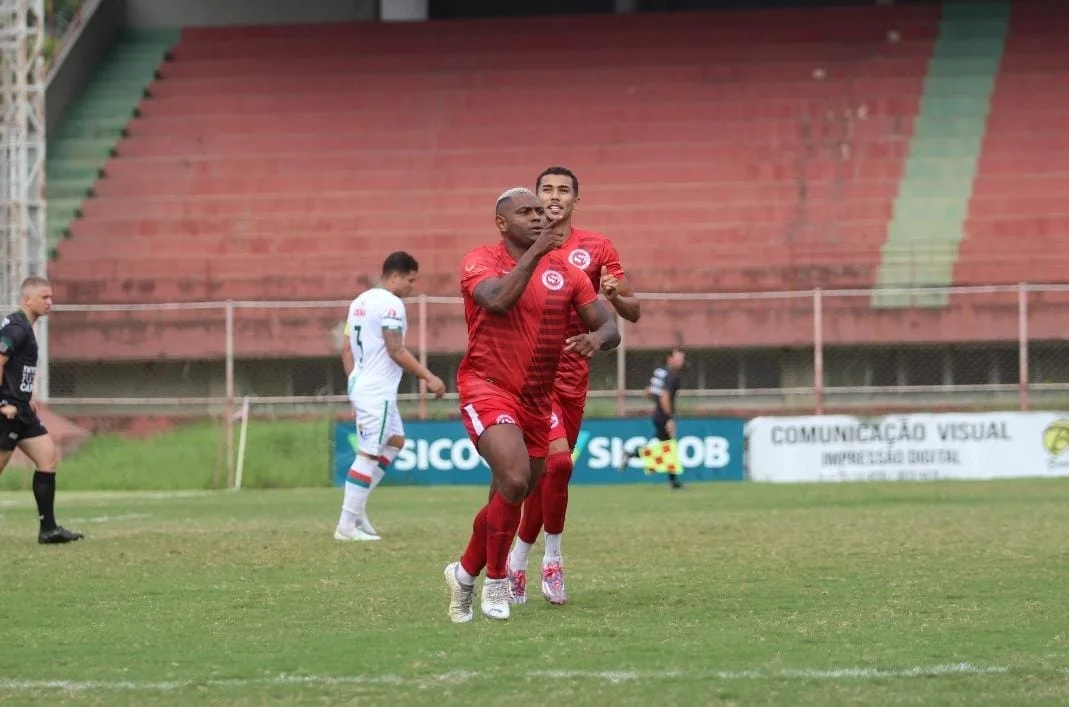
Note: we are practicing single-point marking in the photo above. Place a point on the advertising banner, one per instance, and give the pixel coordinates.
(908, 447)
(441, 453)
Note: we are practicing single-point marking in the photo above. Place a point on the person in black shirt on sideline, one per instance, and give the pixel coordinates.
(664, 384)
(19, 425)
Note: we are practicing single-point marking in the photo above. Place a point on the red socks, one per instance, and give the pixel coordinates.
(491, 534)
(531, 525)
(502, 520)
(474, 558)
(555, 491)
(548, 503)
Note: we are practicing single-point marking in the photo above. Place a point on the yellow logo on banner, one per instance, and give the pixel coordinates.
(1056, 437)
(661, 458)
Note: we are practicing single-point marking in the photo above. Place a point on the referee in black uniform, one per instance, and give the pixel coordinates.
(664, 384)
(19, 425)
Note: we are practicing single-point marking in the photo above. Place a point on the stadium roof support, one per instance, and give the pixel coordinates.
(22, 154)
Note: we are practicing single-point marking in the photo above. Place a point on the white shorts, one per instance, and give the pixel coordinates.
(376, 422)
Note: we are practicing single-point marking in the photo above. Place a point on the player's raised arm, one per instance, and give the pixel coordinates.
(617, 289)
(603, 334)
(410, 364)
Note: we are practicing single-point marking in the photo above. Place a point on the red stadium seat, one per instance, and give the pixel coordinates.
(1019, 217)
(285, 162)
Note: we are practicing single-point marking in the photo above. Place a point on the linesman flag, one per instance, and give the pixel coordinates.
(661, 458)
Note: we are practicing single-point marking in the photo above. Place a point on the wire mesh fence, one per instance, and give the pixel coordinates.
(118, 367)
(809, 349)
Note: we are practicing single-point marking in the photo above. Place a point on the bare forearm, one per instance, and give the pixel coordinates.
(347, 360)
(608, 334)
(627, 306)
(410, 364)
(502, 294)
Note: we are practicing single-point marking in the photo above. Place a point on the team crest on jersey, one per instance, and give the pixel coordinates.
(553, 280)
(505, 420)
(579, 258)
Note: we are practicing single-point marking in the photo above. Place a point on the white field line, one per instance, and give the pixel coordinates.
(22, 499)
(459, 676)
(107, 519)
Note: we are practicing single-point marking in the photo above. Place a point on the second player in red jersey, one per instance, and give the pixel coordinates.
(595, 257)
(518, 299)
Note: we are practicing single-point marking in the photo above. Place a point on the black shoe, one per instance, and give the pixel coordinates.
(57, 536)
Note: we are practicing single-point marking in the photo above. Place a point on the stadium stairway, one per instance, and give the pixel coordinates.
(933, 197)
(282, 163)
(1018, 221)
(95, 123)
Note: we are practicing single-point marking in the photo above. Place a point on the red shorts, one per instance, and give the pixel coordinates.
(486, 409)
(567, 417)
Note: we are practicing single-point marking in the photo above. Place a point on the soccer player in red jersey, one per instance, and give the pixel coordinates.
(518, 298)
(594, 257)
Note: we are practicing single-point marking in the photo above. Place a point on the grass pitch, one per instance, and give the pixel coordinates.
(945, 593)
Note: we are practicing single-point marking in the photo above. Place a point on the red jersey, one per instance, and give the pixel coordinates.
(518, 351)
(586, 252)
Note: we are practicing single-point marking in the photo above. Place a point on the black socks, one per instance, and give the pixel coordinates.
(44, 492)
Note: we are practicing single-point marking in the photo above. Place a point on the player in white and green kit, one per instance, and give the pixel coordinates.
(374, 361)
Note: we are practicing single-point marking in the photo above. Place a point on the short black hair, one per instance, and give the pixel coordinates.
(561, 172)
(399, 262)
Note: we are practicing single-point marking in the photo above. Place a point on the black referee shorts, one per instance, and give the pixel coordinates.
(26, 425)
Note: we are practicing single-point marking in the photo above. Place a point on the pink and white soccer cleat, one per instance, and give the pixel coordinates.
(517, 586)
(553, 589)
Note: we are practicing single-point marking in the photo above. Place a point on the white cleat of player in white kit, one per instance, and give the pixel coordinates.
(362, 531)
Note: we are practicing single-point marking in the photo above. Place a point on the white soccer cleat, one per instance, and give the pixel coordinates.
(460, 596)
(365, 525)
(517, 586)
(354, 534)
(495, 599)
(553, 589)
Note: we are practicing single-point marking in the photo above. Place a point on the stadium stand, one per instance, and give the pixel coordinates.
(933, 197)
(1017, 218)
(268, 163)
(96, 121)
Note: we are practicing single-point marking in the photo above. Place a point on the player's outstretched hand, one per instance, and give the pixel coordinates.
(8, 411)
(583, 344)
(435, 386)
(610, 286)
(549, 239)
